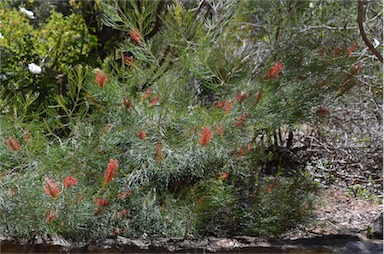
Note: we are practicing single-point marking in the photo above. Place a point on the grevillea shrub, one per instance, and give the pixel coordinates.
(175, 133)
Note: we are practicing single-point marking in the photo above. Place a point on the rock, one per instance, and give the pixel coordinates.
(363, 247)
(245, 244)
(375, 229)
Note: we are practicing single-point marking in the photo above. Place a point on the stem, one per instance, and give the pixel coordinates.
(360, 19)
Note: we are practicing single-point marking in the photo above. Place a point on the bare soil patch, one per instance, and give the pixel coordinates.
(338, 212)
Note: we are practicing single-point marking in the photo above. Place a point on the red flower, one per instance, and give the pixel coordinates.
(241, 152)
(220, 104)
(123, 212)
(51, 215)
(51, 188)
(126, 102)
(135, 36)
(240, 121)
(338, 51)
(101, 202)
(129, 60)
(241, 97)
(69, 181)
(159, 152)
(228, 106)
(220, 129)
(142, 134)
(206, 136)
(274, 71)
(124, 194)
(111, 171)
(13, 144)
(224, 175)
(101, 79)
(147, 93)
(153, 102)
(351, 49)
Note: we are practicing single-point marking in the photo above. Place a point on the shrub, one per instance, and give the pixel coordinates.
(176, 134)
(33, 58)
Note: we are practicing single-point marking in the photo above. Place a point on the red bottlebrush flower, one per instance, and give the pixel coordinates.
(355, 69)
(135, 36)
(126, 102)
(240, 121)
(124, 194)
(241, 152)
(147, 93)
(50, 215)
(101, 79)
(220, 129)
(129, 60)
(240, 97)
(338, 51)
(224, 175)
(13, 144)
(159, 152)
(228, 106)
(142, 135)
(112, 167)
(220, 104)
(153, 102)
(101, 202)
(206, 136)
(351, 49)
(51, 188)
(123, 212)
(274, 71)
(69, 181)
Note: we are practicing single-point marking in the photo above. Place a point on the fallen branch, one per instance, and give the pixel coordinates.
(360, 19)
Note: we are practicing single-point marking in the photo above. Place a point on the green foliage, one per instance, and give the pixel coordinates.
(54, 46)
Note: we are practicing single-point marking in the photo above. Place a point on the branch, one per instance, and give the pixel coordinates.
(158, 22)
(360, 19)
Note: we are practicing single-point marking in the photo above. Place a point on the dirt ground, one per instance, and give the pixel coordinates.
(338, 212)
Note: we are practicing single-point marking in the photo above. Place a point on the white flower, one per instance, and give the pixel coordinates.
(35, 69)
(3, 77)
(1, 36)
(30, 14)
(376, 43)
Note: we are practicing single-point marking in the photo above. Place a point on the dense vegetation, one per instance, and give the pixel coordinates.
(170, 118)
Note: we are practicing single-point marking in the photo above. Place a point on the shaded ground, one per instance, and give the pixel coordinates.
(338, 212)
